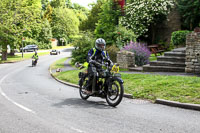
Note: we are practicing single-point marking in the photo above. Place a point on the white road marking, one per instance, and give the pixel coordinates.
(77, 130)
(12, 101)
(25, 108)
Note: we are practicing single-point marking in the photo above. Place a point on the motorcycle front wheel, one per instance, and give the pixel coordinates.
(115, 93)
(82, 89)
(32, 63)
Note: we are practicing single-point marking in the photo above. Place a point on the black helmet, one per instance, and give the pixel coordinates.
(100, 44)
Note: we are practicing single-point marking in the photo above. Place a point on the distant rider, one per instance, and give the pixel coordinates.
(96, 56)
(35, 56)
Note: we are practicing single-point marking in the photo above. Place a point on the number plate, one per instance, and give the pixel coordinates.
(115, 69)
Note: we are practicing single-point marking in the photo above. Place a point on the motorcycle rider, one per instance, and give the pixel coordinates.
(35, 56)
(96, 56)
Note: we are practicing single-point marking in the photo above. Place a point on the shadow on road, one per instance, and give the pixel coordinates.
(77, 102)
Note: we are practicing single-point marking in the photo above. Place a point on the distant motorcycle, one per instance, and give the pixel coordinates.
(34, 62)
(109, 84)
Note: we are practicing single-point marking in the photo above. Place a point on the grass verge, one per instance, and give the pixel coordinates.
(58, 63)
(18, 57)
(176, 88)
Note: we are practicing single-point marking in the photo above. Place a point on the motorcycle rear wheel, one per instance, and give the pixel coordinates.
(82, 93)
(115, 93)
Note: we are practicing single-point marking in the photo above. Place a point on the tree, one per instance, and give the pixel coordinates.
(140, 14)
(7, 25)
(80, 11)
(93, 17)
(32, 22)
(64, 23)
(48, 13)
(109, 18)
(16, 19)
(69, 4)
(58, 3)
(190, 14)
(80, 15)
(44, 4)
(46, 32)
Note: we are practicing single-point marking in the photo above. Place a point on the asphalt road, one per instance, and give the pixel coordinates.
(31, 101)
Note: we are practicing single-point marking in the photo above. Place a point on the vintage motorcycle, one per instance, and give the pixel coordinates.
(109, 84)
(34, 62)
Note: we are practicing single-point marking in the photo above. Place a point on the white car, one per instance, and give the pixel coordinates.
(54, 52)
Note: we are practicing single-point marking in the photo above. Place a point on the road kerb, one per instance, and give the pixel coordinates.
(178, 104)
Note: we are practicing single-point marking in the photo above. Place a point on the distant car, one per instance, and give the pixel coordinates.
(54, 52)
(29, 48)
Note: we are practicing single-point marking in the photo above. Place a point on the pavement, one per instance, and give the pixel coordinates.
(157, 101)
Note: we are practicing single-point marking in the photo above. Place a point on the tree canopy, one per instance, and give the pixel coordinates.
(109, 18)
(38, 21)
(64, 23)
(93, 17)
(141, 13)
(190, 13)
(18, 18)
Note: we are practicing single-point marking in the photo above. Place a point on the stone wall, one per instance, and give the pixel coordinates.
(125, 59)
(193, 53)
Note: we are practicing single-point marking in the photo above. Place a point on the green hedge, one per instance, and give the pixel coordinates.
(178, 38)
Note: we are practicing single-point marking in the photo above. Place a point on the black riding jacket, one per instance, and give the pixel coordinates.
(98, 56)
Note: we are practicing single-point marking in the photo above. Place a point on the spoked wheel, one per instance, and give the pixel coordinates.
(115, 93)
(82, 90)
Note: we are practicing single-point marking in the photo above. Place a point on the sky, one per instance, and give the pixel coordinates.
(83, 2)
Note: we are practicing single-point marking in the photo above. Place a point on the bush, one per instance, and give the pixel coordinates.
(112, 51)
(178, 38)
(123, 36)
(42, 45)
(82, 46)
(141, 52)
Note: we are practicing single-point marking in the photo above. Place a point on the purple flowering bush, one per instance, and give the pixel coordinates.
(141, 52)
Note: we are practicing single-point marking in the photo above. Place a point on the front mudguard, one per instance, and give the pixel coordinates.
(117, 79)
(111, 79)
